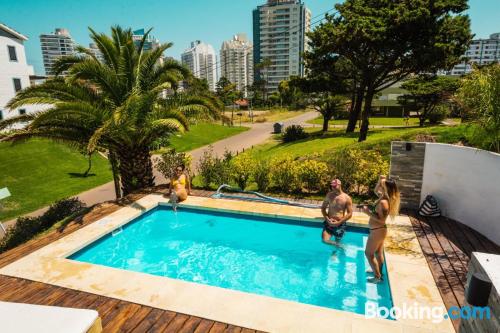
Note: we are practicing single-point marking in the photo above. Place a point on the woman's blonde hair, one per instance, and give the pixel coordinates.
(392, 193)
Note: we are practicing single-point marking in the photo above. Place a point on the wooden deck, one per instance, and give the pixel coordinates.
(447, 246)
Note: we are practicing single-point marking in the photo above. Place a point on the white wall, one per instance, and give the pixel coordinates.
(466, 183)
(12, 69)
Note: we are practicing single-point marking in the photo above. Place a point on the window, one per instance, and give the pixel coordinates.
(17, 84)
(12, 53)
(22, 111)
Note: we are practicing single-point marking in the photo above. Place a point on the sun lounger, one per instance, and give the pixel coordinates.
(28, 318)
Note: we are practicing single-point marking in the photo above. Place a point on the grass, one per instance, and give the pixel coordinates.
(40, 172)
(376, 121)
(203, 134)
(319, 143)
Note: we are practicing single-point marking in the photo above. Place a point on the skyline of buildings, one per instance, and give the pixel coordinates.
(236, 62)
(55, 45)
(279, 39)
(201, 59)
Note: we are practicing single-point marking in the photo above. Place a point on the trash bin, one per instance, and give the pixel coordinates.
(278, 127)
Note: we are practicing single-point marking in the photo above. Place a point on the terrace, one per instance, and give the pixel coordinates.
(445, 244)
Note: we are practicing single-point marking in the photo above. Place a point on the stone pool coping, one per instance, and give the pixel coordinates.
(410, 278)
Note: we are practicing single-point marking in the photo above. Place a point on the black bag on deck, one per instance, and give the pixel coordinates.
(429, 207)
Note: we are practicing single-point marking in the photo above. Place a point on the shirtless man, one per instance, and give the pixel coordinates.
(339, 206)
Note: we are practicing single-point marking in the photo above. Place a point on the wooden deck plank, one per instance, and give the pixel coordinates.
(176, 323)
(218, 327)
(233, 329)
(162, 322)
(190, 325)
(132, 322)
(119, 316)
(148, 321)
(204, 326)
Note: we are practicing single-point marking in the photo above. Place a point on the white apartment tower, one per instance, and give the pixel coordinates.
(279, 37)
(200, 58)
(96, 52)
(54, 46)
(15, 72)
(480, 52)
(236, 61)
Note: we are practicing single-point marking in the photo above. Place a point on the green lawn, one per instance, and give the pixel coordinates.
(320, 143)
(378, 121)
(40, 172)
(203, 134)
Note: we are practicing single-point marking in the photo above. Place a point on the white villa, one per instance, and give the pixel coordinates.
(15, 72)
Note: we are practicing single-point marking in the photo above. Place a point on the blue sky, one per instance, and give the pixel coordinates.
(177, 21)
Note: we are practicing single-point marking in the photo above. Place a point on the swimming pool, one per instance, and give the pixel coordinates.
(281, 258)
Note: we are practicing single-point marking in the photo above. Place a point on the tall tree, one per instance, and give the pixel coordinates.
(114, 105)
(324, 94)
(479, 95)
(426, 92)
(386, 41)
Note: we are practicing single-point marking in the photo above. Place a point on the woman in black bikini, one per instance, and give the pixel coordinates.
(386, 205)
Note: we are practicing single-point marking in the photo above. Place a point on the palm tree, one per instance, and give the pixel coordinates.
(115, 105)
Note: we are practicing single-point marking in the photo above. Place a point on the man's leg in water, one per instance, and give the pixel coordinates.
(327, 238)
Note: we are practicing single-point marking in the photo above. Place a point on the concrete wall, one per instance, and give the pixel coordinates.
(407, 167)
(466, 183)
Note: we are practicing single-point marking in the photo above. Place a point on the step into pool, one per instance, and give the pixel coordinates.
(276, 257)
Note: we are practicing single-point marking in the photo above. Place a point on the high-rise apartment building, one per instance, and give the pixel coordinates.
(151, 42)
(279, 38)
(54, 46)
(480, 52)
(200, 58)
(96, 52)
(236, 62)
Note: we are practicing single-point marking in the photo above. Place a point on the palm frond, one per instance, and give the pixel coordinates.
(16, 120)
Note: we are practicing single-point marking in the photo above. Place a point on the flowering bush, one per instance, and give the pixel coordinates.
(313, 175)
(284, 174)
(170, 159)
(241, 169)
(262, 175)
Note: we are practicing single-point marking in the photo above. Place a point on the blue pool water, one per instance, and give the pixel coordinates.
(266, 256)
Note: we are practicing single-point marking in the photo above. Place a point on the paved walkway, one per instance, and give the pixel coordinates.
(258, 133)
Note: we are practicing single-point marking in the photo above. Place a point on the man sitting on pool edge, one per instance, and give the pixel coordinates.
(339, 206)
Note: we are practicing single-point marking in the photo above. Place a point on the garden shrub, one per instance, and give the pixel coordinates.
(312, 174)
(169, 160)
(213, 169)
(60, 210)
(241, 168)
(439, 114)
(284, 175)
(27, 227)
(262, 175)
(294, 133)
(358, 169)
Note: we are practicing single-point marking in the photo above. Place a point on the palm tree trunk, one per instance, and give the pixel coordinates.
(114, 169)
(136, 169)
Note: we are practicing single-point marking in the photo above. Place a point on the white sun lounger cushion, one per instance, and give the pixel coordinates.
(28, 318)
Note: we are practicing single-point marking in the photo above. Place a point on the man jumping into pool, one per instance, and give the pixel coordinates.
(339, 206)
